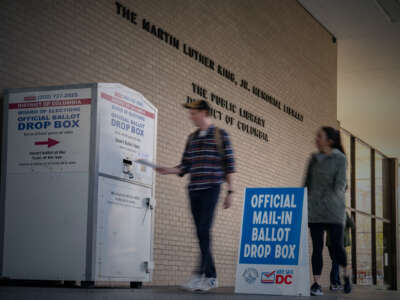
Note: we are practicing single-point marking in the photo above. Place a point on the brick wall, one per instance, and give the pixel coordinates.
(274, 45)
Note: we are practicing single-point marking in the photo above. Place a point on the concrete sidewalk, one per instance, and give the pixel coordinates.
(169, 293)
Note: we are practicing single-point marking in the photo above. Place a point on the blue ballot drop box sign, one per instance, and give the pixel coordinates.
(273, 252)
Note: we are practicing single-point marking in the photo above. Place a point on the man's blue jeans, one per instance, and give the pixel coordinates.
(203, 204)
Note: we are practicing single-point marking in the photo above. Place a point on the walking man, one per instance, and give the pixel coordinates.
(208, 158)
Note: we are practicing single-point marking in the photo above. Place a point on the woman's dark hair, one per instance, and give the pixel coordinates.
(334, 135)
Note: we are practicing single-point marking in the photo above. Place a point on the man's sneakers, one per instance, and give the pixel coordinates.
(194, 283)
(335, 287)
(199, 283)
(316, 290)
(347, 285)
(208, 283)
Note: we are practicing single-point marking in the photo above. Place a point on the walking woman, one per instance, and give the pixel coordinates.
(326, 183)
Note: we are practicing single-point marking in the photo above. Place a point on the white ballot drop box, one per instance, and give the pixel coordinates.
(74, 205)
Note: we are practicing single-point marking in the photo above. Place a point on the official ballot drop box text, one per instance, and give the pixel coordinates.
(75, 205)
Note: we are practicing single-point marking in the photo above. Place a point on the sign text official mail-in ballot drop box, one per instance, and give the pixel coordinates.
(75, 205)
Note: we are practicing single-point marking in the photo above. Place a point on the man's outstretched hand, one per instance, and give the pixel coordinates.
(162, 170)
(167, 171)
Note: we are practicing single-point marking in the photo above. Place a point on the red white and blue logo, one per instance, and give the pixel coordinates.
(279, 277)
(268, 277)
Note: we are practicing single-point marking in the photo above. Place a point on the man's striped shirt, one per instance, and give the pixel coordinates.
(204, 162)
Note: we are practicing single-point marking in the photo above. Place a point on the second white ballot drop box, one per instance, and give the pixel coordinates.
(76, 205)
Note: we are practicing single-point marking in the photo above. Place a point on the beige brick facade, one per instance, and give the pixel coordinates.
(273, 44)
